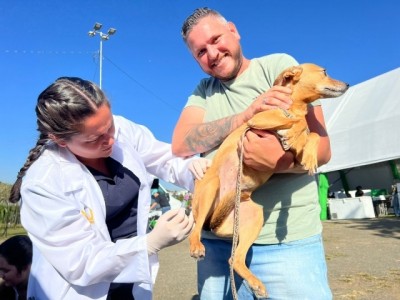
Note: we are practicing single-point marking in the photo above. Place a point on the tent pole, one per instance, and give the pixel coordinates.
(343, 178)
(395, 171)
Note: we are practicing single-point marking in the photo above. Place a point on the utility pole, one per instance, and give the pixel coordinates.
(103, 37)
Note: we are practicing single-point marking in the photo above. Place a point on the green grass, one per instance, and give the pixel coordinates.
(11, 231)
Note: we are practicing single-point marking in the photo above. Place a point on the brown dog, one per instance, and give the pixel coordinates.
(214, 195)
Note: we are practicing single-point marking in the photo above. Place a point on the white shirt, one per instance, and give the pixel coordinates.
(63, 210)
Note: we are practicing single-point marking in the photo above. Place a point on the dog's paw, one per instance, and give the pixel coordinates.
(258, 289)
(310, 167)
(309, 162)
(197, 251)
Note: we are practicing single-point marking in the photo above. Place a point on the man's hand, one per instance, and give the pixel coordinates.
(263, 152)
(192, 135)
(275, 97)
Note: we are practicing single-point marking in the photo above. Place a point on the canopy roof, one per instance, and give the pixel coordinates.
(364, 123)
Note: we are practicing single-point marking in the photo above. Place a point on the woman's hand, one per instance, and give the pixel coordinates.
(172, 228)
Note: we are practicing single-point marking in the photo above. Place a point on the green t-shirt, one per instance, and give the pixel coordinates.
(290, 201)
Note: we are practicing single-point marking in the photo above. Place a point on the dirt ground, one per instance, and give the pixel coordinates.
(363, 258)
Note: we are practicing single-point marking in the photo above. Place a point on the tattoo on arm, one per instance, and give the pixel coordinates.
(207, 136)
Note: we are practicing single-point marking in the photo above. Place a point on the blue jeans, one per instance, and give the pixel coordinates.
(291, 271)
(165, 209)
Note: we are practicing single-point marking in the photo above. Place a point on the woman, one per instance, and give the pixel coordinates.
(86, 195)
(15, 264)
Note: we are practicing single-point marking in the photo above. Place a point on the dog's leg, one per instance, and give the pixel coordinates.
(251, 221)
(221, 222)
(203, 201)
(227, 193)
(274, 119)
(309, 158)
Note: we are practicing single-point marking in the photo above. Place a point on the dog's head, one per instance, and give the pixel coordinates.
(310, 82)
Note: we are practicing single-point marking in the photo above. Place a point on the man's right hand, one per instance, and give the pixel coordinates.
(275, 97)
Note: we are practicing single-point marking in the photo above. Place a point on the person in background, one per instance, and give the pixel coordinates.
(15, 265)
(160, 199)
(359, 191)
(288, 255)
(85, 198)
(396, 199)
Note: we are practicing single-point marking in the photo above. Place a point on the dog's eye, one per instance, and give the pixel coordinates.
(325, 74)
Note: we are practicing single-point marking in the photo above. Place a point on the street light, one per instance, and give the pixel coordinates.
(103, 37)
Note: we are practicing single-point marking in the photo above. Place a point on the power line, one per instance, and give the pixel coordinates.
(46, 52)
(141, 85)
(95, 55)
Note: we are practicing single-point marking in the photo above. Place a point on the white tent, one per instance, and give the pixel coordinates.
(364, 123)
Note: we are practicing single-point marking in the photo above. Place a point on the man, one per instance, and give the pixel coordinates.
(359, 191)
(288, 255)
(160, 199)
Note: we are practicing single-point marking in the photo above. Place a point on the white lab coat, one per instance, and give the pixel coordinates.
(63, 210)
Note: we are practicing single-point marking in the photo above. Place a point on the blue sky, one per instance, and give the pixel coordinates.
(147, 71)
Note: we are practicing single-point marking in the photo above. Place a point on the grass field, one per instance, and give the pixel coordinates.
(10, 231)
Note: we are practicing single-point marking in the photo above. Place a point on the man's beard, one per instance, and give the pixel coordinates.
(235, 71)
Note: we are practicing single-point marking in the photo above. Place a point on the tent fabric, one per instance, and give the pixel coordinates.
(363, 124)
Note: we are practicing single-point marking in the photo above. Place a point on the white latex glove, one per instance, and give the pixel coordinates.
(171, 228)
(199, 166)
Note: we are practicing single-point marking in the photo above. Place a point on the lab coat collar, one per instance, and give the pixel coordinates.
(71, 165)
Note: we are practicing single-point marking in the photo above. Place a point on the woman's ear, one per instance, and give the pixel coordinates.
(58, 141)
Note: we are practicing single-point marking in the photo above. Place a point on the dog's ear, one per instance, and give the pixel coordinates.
(290, 75)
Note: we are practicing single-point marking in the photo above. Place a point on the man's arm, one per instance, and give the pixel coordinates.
(154, 205)
(192, 135)
(263, 151)
(316, 123)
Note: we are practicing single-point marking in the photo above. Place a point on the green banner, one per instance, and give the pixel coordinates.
(323, 195)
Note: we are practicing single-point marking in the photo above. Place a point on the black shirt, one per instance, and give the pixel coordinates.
(120, 191)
